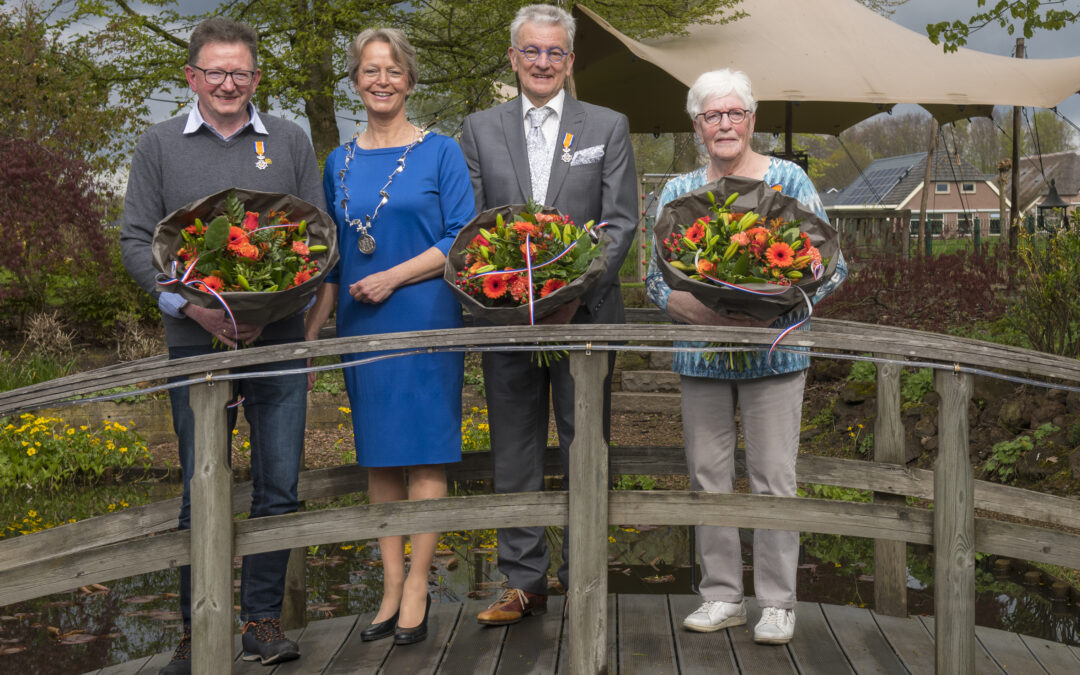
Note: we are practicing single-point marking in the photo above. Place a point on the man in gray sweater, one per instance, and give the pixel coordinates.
(224, 142)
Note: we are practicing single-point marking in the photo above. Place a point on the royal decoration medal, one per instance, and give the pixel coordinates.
(567, 141)
(261, 160)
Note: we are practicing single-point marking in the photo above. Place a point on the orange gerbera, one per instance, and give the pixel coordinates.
(300, 248)
(236, 236)
(696, 231)
(251, 221)
(519, 286)
(550, 286)
(704, 266)
(522, 227)
(495, 285)
(213, 283)
(780, 255)
(301, 276)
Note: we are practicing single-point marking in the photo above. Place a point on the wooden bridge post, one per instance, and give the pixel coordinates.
(954, 529)
(588, 518)
(211, 532)
(890, 557)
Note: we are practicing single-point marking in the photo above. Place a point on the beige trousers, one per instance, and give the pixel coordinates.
(770, 411)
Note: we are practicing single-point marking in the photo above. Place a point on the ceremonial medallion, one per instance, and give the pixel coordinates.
(261, 160)
(366, 244)
(567, 141)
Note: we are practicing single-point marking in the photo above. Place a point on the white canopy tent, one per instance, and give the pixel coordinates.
(817, 66)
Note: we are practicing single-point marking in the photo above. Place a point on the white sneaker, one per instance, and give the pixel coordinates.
(777, 626)
(714, 615)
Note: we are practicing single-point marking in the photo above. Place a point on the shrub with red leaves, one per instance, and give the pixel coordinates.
(52, 220)
(933, 293)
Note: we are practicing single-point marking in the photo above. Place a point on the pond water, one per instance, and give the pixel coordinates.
(81, 630)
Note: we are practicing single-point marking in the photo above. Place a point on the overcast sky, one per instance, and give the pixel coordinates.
(995, 40)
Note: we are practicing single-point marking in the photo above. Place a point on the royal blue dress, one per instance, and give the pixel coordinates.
(406, 410)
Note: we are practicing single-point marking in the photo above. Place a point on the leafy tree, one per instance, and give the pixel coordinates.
(1028, 15)
(48, 93)
(461, 46)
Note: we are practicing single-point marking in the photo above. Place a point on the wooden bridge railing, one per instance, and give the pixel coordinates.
(109, 547)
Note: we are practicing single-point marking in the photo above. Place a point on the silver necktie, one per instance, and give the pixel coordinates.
(539, 155)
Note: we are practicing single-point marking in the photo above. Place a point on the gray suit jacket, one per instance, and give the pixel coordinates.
(602, 188)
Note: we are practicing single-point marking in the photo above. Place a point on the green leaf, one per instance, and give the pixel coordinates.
(217, 233)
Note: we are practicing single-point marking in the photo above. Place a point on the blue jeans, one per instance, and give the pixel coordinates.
(276, 409)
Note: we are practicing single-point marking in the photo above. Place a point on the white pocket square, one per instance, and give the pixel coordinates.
(588, 155)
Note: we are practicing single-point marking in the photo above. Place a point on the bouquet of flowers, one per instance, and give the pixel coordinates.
(262, 265)
(515, 264)
(749, 253)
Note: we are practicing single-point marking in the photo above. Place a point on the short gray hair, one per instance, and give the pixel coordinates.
(548, 15)
(716, 83)
(402, 52)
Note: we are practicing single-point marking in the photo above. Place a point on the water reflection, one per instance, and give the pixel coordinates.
(78, 631)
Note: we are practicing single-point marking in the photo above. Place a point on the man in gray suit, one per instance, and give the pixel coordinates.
(576, 157)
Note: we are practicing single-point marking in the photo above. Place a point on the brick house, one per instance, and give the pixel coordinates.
(958, 193)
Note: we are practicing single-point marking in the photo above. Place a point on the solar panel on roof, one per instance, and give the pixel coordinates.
(871, 187)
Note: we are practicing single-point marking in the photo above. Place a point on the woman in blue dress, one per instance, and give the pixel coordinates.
(399, 196)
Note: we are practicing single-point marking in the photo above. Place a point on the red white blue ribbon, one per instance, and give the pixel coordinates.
(816, 270)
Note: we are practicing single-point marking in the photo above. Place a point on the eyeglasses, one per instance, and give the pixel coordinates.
(554, 54)
(392, 74)
(240, 78)
(713, 117)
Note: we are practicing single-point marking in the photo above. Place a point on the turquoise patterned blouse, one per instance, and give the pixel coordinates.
(795, 183)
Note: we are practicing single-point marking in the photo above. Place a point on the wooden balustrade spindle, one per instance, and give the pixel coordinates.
(211, 532)
(588, 518)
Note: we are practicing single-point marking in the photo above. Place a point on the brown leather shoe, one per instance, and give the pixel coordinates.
(511, 606)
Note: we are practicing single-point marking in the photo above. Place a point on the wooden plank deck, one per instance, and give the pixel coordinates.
(646, 636)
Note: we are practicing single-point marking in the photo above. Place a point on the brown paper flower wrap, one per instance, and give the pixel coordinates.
(519, 314)
(258, 308)
(760, 198)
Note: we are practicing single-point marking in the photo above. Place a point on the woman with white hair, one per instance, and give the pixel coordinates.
(769, 396)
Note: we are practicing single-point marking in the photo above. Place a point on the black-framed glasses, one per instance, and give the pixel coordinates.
(713, 117)
(554, 54)
(240, 78)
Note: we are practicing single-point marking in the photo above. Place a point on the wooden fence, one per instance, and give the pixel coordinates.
(114, 546)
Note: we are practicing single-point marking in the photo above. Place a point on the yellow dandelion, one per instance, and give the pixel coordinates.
(347, 547)
(31, 452)
(32, 513)
(235, 431)
(123, 449)
(70, 431)
(344, 410)
(611, 540)
(83, 428)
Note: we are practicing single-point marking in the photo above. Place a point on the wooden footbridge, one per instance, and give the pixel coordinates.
(598, 633)
(645, 637)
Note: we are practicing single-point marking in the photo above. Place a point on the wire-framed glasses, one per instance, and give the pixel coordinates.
(554, 54)
(240, 78)
(713, 117)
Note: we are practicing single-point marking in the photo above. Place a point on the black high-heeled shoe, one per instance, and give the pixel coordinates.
(408, 636)
(378, 631)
